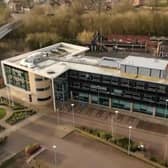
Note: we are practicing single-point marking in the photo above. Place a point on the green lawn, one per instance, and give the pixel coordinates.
(2, 113)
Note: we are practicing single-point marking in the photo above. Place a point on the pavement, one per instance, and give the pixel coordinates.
(72, 150)
(152, 134)
(84, 152)
(154, 142)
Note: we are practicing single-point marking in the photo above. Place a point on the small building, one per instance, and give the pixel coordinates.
(15, 6)
(138, 3)
(133, 43)
(19, 6)
(163, 49)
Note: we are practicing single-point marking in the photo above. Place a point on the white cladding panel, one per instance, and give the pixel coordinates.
(131, 69)
(122, 68)
(163, 74)
(155, 73)
(144, 71)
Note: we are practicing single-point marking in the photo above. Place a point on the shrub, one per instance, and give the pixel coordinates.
(31, 149)
(108, 136)
(123, 142)
(153, 158)
(3, 140)
(105, 135)
(18, 116)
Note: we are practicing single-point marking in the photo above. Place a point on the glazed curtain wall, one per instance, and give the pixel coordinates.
(17, 77)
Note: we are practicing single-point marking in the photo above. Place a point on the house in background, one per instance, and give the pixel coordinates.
(162, 50)
(20, 6)
(137, 3)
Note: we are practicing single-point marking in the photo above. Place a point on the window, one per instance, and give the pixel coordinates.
(96, 78)
(43, 89)
(106, 79)
(161, 112)
(85, 86)
(75, 95)
(139, 85)
(118, 103)
(74, 74)
(95, 99)
(161, 88)
(44, 99)
(17, 77)
(117, 92)
(115, 81)
(75, 84)
(83, 75)
(104, 101)
(152, 86)
(38, 79)
(143, 108)
(125, 82)
(84, 97)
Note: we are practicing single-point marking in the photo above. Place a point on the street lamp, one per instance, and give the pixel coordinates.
(112, 123)
(116, 112)
(98, 94)
(129, 139)
(73, 114)
(166, 108)
(112, 126)
(165, 151)
(55, 160)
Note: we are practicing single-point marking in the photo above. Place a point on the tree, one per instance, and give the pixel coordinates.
(85, 37)
(38, 40)
(4, 13)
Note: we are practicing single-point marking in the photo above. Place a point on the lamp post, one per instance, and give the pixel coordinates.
(116, 113)
(129, 138)
(55, 159)
(112, 123)
(112, 126)
(73, 114)
(166, 108)
(165, 151)
(98, 94)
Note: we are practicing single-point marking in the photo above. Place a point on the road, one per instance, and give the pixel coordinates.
(5, 29)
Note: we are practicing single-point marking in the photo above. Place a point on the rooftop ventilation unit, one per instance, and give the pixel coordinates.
(34, 59)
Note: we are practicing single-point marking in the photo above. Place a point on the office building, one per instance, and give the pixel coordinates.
(62, 72)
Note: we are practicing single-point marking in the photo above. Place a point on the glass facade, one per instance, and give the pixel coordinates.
(119, 103)
(124, 93)
(162, 112)
(140, 107)
(16, 77)
(61, 88)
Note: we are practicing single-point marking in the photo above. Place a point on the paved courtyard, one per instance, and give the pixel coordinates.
(73, 151)
(43, 127)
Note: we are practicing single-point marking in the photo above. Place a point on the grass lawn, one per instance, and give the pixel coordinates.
(2, 113)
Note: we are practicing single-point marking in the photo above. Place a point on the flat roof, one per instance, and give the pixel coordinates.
(52, 64)
(151, 63)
